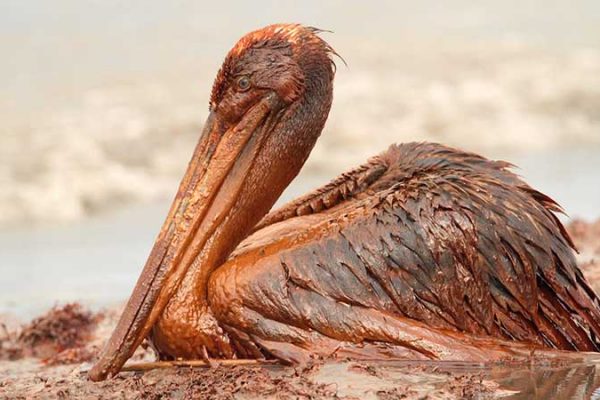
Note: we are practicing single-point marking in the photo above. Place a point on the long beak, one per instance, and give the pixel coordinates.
(221, 159)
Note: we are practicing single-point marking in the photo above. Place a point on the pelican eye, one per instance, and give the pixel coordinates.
(243, 83)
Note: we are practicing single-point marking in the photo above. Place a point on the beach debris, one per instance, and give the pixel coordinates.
(61, 336)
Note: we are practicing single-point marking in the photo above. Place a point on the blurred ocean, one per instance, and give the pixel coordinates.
(103, 102)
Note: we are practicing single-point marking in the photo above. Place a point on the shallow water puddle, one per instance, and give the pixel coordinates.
(437, 379)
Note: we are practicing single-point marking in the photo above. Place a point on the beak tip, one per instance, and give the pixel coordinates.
(96, 376)
(100, 371)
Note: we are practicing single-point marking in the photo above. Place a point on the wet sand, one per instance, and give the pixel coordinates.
(47, 358)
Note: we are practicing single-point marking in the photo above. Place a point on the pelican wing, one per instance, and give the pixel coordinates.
(448, 238)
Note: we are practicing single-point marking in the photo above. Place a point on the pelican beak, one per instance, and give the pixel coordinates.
(207, 192)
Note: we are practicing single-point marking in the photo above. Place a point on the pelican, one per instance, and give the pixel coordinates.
(424, 252)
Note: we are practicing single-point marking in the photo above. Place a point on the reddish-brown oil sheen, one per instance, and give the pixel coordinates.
(423, 252)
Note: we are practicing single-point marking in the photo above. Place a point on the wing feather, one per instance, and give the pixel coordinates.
(451, 239)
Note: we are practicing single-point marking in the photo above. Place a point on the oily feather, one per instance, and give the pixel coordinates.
(451, 239)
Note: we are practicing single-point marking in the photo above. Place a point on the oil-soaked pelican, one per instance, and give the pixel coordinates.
(424, 252)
